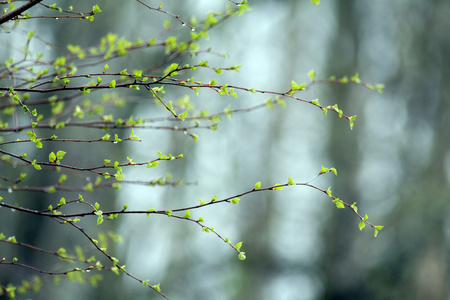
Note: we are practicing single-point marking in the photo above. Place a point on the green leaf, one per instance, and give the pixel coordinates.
(355, 78)
(183, 115)
(96, 9)
(352, 121)
(132, 136)
(52, 157)
(257, 185)
(235, 201)
(339, 203)
(187, 214)
(99, 220)
(377, 228)
(35, 165)
(157, 287)
(277, 187)
(379, 87)
(312, 74)
(324, 170)
(361, 225)
(118, 176)
(60, 154)
(112, 84)
(291, 181)
(334, 171)
(152, 164)
(317, 2)
(242, 256)
(238, 246)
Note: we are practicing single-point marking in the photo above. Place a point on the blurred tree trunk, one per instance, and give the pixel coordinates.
(415, 262)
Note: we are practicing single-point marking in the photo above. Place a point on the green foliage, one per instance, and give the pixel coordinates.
(59, 93)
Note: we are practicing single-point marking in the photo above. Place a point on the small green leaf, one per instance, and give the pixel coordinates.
(96, 9)
(324, 170)
(361, 225)
(334, 171)
(377, 228)
(277, 187)
(112, 84)
(291, 181)
(312, 74)
(355, 78)
(242, 256)
(132, 136)
(257, 185)
(52, 157)
(187, 214)
(35, 165)
(60, 154)
(152, 164)
(339, 203)
(379, 87)
(157, 287)
(235, 201)
(238, 246)
(183, 115)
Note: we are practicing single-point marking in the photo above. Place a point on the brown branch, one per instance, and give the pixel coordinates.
(18, 11)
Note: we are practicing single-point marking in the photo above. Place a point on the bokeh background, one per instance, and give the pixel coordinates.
(395, 163)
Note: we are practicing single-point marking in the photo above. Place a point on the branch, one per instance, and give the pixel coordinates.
(18, 11)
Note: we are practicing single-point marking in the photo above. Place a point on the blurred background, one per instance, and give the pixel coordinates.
(395, 163)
